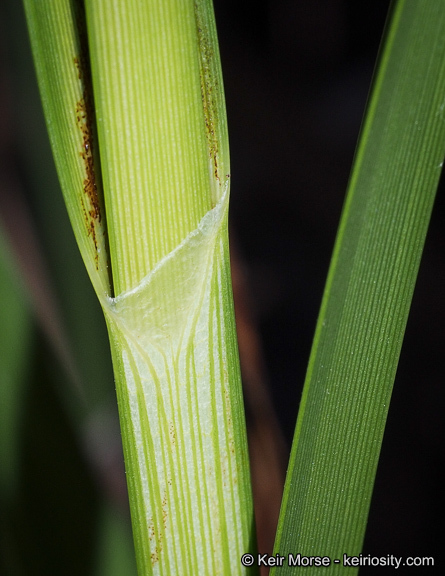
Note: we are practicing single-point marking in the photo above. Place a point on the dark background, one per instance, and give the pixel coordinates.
(296, 77)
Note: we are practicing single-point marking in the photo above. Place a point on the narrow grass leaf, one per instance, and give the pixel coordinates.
(368, 294)
(57, 30)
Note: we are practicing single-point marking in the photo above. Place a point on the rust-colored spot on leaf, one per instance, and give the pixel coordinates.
(156, 539)
(164, 510)
(172, 433)
(154, 556)
(84, 118)
(208, 86)
(209, 91)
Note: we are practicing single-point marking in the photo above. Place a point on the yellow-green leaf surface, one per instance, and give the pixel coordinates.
(368, 294)
(58, 37)
(150, 71)
(163, 149)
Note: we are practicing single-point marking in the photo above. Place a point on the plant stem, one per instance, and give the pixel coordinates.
(162, 153)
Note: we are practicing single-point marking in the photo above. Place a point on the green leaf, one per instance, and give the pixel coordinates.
(57, 30)
(368, 294)
(15, 345)
(115, 546)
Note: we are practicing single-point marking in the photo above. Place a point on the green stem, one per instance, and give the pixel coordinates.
(157, 106)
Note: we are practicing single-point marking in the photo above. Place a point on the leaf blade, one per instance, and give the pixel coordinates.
(57, 32)
(368, 293)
